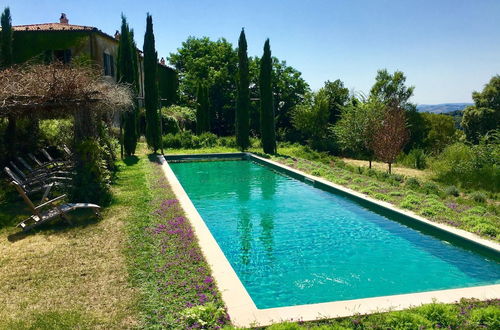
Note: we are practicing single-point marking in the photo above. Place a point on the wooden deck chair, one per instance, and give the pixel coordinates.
(62, 163)
(51, 209)
(42, 171)
(44, 185)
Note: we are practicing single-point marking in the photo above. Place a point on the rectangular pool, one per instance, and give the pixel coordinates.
(292, 244)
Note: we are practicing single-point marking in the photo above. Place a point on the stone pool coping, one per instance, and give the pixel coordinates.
(240, 305)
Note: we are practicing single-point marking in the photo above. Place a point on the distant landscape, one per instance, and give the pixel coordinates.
(442, 108)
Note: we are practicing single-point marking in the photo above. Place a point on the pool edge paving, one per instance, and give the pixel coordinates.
(240, 305)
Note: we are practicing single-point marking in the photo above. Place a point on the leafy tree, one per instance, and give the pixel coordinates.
(243, 99)
(441, 131)
(355, 130)
(311, 118)
(390, 89)
(268, 133)
(153, 135)
(6, 61)
(390, 136)
(338, 96)
(484, 115)
(215, 63)
(126, 73)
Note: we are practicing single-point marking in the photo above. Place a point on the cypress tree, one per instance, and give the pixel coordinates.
(243, 99)
(126, 74)
(206, 103)
(200, 120)
(202, 109)
(268, 133)
(135, 65)
(153, 134)
(6, 60)
(6, 48)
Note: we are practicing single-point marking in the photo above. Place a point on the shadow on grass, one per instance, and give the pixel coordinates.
(154, 158)
(79, 219)
(131, 160)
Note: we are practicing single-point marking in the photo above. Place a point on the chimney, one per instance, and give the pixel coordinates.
(117, 35)
(162, 61)
(63, 19)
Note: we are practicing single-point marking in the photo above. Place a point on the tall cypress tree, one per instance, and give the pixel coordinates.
(202, 109)
(200, 120)
(243, 99)
(6, 61)
(268, 133)
(135, 64)
(153, 134)
(126, 74)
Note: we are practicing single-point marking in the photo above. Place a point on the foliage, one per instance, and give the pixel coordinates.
(484, 116)
(184, 117)
(478, 197)
(267, 125)
(215, 63)
(470, 166)
(356, 127)
(56, 132)
(91, 183)
(6, 39)
(208, 316)
(452, 191)
(202, 109)
(243, 99)
(391, 136)
(153, 134)
(311, 118)
(416, 158)
(338, 97)
(441, 132)
(390, 89)
(127, 73)
(187, 140)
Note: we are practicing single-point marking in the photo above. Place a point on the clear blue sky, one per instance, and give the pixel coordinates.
(447, 48)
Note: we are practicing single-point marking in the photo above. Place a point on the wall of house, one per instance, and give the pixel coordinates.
(101, 44)
(27, 45)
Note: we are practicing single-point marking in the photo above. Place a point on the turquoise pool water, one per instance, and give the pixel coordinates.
(293, 244)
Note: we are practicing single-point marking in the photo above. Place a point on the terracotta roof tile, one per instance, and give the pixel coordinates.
(53, 27)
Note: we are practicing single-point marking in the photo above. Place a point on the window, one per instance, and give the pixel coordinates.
(109, 67)
(63, 55)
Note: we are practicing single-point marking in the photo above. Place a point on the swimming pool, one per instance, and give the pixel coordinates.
(293, 244)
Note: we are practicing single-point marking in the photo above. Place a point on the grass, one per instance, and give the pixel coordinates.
(62, 276)
(166, 263)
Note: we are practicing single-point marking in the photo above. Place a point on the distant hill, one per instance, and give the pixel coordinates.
(442, 108)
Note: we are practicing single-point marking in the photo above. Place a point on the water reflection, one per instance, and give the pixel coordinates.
(268, 186)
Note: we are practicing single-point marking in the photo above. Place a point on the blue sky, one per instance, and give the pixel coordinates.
(447, 48)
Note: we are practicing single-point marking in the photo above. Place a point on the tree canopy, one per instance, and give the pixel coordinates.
(484, 115)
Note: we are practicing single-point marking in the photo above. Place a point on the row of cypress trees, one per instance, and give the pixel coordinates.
(268, 134)
(127, 72)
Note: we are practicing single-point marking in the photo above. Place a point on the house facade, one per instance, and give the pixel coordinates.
(68, 42)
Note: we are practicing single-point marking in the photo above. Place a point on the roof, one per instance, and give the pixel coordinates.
(53, 27)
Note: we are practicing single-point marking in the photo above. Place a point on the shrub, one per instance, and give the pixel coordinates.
(412, 183)
(451, 191)
(410, 202)
(416, 158)
(406, 320)
(478, 197)
(487, 316)
(443, 316)
(208, 316)
(430, 188)
(486, 229)
(470, 166)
